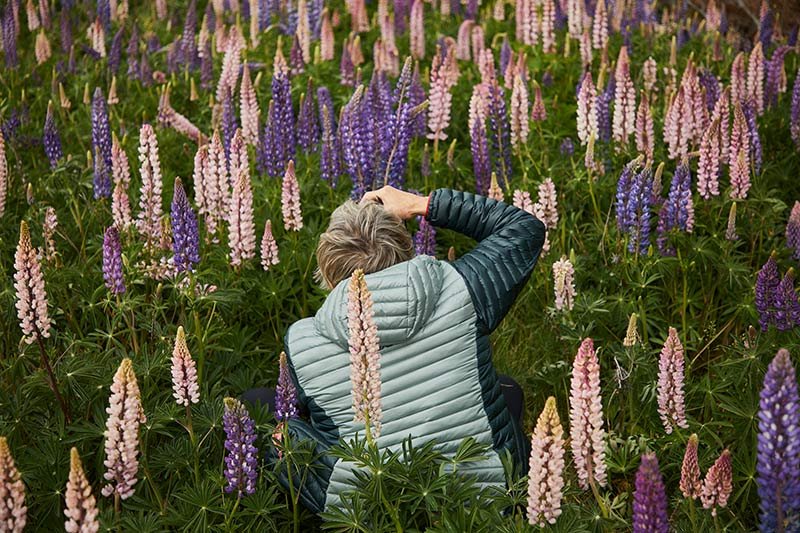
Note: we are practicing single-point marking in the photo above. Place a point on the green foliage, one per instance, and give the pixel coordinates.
(235, 333)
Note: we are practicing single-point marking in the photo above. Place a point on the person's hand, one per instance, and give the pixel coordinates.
(403, 204)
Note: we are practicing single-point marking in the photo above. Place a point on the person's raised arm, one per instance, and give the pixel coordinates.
(509, 243)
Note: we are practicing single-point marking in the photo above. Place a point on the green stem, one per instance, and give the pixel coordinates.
(692, 514)
(195, 448)
(149, 477)
(716, 522)
(233, 512)
(598, 498)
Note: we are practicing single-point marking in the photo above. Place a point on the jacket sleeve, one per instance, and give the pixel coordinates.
(509, 243)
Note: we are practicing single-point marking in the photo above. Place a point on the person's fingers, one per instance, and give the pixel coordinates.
(371, 196)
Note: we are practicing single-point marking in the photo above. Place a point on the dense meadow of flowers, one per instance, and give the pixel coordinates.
(166, 168)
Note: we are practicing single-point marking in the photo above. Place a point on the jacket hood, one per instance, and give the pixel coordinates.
(404, 297)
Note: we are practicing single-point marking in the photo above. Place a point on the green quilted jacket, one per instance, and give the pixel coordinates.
(434, 319)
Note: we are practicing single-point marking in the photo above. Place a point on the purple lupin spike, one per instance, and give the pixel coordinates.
(649, 499)
(624, 223)
(787, 308)
(330, 164)
(603, 105)
(283, 118)
(766, 289)
(101, 146)
(241, 456)
(416, 96)
(229, 122)
(766, 26)
(132, 52)
(10, 37)
(481, 165)
(65, 25)
(51, 139)
(187, 51)
(639, 206)
(774, 74)
(112, 261)
(710, 83)
(115, 52)
(677, 212)
(207, 67)
(285, 393)
(499, 135)
(778, 459)
(425, 238)
(104, 13)
(267, 150)
(185, 236)
(308, 134)
(756, 152)
(794, 114)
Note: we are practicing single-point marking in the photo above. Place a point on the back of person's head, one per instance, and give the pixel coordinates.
(364, 236)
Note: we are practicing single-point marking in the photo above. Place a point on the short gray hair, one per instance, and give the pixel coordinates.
(364, 236)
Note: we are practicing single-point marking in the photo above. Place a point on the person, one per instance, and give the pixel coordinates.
(433, 318)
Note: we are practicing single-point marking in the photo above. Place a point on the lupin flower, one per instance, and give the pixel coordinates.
(283, 119)
(709, 163)
(787, 308)
(308, 135)
(691, 486)
(650, 513)
(13, 511)
(645, 141)
(185, 235)
(231, 63)
(624, 99)
(567, 147)
(730, 229)
(149, 218)
(670, 384)
(241, 227)
(290, 200)
(481, 166)
(677, 211)
(546, 208)
(216, 186)
(167, 116)
(600, 26)
(574, 18)
(184, 373)
(794, 115)
(793, 231)
(101, 145)
(519, 113)
(228, 123)
(417, 29)
(81, 507)
(778, 462)
(365, 356)
(766, 289)
(631, 333)
(444, 75)
(756, 152)
(97, 37)
(495, 192)
(738, 79)
(3, 175)
(563, 276)
(755, 78)
(327, 38)
(546, 474)
(675, 121)
(587, 112)
(549, 26)
(29, 284)
(48, 233)
(285, 393)
(125, 414)
(51, 139)
(586, 417)
(538, 111)
(241, 456)
(718, 484)
(112, 261)
(739, 153)
(269, 248)
(425, 238)
(10, 31)
(522, 200)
